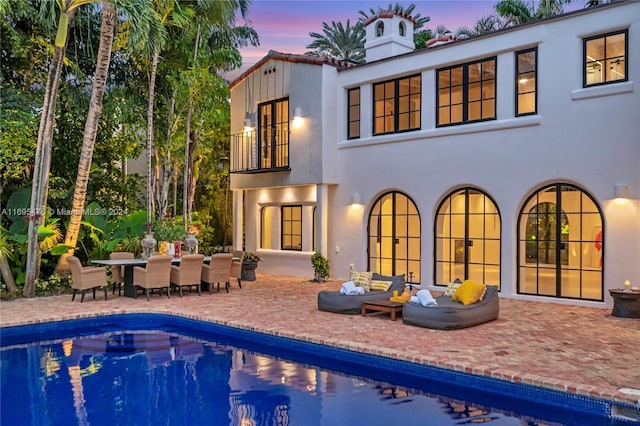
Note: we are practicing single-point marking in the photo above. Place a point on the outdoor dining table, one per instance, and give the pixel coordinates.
(128, 264)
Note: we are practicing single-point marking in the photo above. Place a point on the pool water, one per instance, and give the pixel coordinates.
(151, 370)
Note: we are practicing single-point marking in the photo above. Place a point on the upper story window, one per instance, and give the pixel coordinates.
(526, 81)
(605, 58)
(396, 105)
(467, 93)
(291, 228)
(401, 29)
(353, 113)
(273, 134)
(379, 29)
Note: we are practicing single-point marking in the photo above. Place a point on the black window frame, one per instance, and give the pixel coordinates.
(290, 234)
(465, 92)
(585, 62)
(519, 74)
(395, 113)
(278, 151)
(351, 119)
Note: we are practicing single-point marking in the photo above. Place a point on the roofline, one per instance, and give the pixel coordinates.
(497, 32)
(293, 58)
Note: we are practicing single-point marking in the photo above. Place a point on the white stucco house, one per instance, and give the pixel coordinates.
(511, 158)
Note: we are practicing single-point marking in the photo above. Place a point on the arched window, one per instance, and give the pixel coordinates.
(401, 29)
(394, 236)
(467, 238)
(379, 29)
(561, 244)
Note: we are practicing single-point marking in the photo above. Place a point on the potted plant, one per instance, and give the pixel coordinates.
(169, 231)
(249, 264)
(320, 266)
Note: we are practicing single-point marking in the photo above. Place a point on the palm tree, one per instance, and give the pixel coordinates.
(42, 163)
(518, 12)
(399, 9)
(345, 43)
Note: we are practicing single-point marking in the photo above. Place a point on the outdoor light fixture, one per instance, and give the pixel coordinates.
(621, 190)
(297, 117)
(355, 199)
(248, 121)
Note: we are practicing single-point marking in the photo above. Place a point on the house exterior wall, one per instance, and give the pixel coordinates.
(589, 137)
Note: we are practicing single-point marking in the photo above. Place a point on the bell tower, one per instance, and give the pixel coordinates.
(388, 34)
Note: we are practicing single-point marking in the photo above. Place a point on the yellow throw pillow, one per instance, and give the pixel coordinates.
(380, 285)
(362, 279)
(469, 292)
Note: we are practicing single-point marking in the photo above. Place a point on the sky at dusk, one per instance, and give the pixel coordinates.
(284, 25)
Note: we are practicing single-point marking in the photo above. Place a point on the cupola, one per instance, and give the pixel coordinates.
(388, 34)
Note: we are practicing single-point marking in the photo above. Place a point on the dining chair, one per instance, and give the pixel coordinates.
(188, 273)
(156, 275)
(236, 266)
(117, 272)
(217, 271)
(85, 278)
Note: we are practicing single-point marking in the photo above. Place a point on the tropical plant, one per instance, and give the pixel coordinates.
(516, 12)
(251, 257)
(320, 266)
(400, 9)
(344, 43)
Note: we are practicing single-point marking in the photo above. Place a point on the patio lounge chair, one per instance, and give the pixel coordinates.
(188, 273)
(334, 301)
(450, 315)
(86, 278)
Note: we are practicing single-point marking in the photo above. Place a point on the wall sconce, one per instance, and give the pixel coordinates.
(355, 199)
(621, 190)
(297, 118)
(248, 121)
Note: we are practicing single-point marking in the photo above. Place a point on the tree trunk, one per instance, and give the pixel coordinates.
(187, 207)
(150, 106)
(42, 163)
(163, 202)
(7, 276)
(90, 130)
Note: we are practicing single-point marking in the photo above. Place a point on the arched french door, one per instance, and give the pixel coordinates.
(467, 238)
(561, 244)
(394, 236)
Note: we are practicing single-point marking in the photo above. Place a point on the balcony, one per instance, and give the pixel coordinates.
(249, 155)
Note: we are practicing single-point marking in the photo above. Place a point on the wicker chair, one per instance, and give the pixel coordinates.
(117, 272)
(236, 266)
(156, 275)
(86, 278)
(188, 273)
(217, 271)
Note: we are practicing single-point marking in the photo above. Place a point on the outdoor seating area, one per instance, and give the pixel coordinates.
(159, 273)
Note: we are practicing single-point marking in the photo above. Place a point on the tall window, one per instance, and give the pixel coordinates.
(353, 118)
(292, 228)
(561, 244)
(266, 227)
(394, 236)
(526, 81)
(273, 134)
(605, 58)
(467, 93)
(396, 105)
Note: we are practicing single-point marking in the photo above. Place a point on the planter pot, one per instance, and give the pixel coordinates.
(248, 270)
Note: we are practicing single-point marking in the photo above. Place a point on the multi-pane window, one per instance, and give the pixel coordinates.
(273, 134)
(292, 228)
(353, 118)
(605, 58)
(526, 81)
(467, 92)
(396, 105)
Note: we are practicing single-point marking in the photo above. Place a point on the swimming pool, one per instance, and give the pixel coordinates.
(181, 371)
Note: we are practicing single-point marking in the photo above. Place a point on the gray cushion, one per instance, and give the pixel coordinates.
(450, 315)
(334, 301)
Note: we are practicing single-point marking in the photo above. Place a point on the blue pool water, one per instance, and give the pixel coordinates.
(153, 369)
